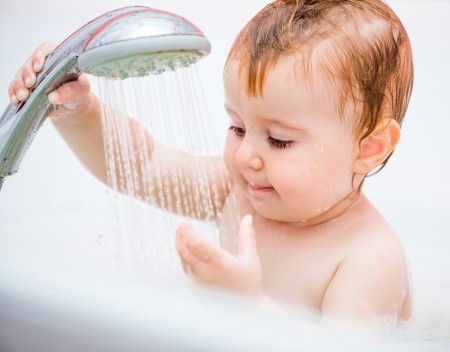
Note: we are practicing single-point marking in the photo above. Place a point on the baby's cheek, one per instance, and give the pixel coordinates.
(229, 153)
(312, 183)
(297, 183)
(297, 172)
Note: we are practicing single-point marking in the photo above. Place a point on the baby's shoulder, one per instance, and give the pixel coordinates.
(372, 274)
(370, 237)
(373, 249)
(369, 247)
(377, 249)
(365, 230)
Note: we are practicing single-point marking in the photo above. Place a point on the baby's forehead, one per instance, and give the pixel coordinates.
(288, 85)
(289, 73)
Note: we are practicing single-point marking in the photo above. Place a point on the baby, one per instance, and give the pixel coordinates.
(316, 91)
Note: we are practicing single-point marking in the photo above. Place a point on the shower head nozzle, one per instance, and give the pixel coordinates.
(143, 42)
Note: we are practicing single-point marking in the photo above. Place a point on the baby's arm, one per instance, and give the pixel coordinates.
(78, 119)
(370, 289)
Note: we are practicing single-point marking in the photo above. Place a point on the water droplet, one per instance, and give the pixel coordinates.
(101, 240)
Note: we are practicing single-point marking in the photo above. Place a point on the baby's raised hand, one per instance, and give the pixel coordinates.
(71, 98)
(212, 266)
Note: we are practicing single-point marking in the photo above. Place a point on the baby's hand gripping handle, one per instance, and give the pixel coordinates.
(20, 123)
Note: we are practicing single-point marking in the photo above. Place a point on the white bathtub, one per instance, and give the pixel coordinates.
(59, 290)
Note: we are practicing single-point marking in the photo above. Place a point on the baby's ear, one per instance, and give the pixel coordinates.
(376, 148)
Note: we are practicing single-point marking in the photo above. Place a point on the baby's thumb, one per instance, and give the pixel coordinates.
(247, 242)
(70, 96)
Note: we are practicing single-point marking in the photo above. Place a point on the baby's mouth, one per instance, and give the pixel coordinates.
(253, 188)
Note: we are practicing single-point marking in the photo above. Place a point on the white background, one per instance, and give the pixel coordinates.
(52, 212)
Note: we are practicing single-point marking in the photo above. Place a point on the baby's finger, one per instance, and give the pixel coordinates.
(200, 247)
(13, 99)
(38, 57)
(70, 99)
(181, 249)
(17, 90)
(25, 78)
(247, 241)
(70, 94)
(28, 75)
(191, 265)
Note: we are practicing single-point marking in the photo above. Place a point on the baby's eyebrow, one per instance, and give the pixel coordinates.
(281, 123)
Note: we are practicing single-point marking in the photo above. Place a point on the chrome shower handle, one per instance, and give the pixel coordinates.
(20, 123)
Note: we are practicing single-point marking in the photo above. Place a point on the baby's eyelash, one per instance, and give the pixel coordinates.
(277, 143)
(238, 131)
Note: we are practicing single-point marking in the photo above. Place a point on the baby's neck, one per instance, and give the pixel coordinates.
(334, 214)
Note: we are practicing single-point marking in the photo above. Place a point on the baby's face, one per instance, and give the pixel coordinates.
(289, 151)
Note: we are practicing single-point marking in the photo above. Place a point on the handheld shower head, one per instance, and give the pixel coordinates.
(141, 43)
(127, 42)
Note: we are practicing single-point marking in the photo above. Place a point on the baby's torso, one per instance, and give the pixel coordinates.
(297, 263)
(296, 269)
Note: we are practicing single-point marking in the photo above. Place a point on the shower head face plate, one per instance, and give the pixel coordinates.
(142, 43)
(144, 56)
(144, 64)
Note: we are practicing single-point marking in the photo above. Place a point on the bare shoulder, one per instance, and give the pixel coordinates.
(371, 286)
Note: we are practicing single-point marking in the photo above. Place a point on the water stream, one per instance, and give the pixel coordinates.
(148, 191)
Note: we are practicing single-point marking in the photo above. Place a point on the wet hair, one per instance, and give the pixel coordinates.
(360, 44)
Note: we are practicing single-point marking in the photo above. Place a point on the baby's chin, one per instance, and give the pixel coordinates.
(278, 215)
(298, 219)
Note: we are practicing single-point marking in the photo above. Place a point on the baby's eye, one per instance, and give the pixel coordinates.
(278, 143)
(238, 131)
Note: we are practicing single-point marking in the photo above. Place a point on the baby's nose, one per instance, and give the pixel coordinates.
(247, 155)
